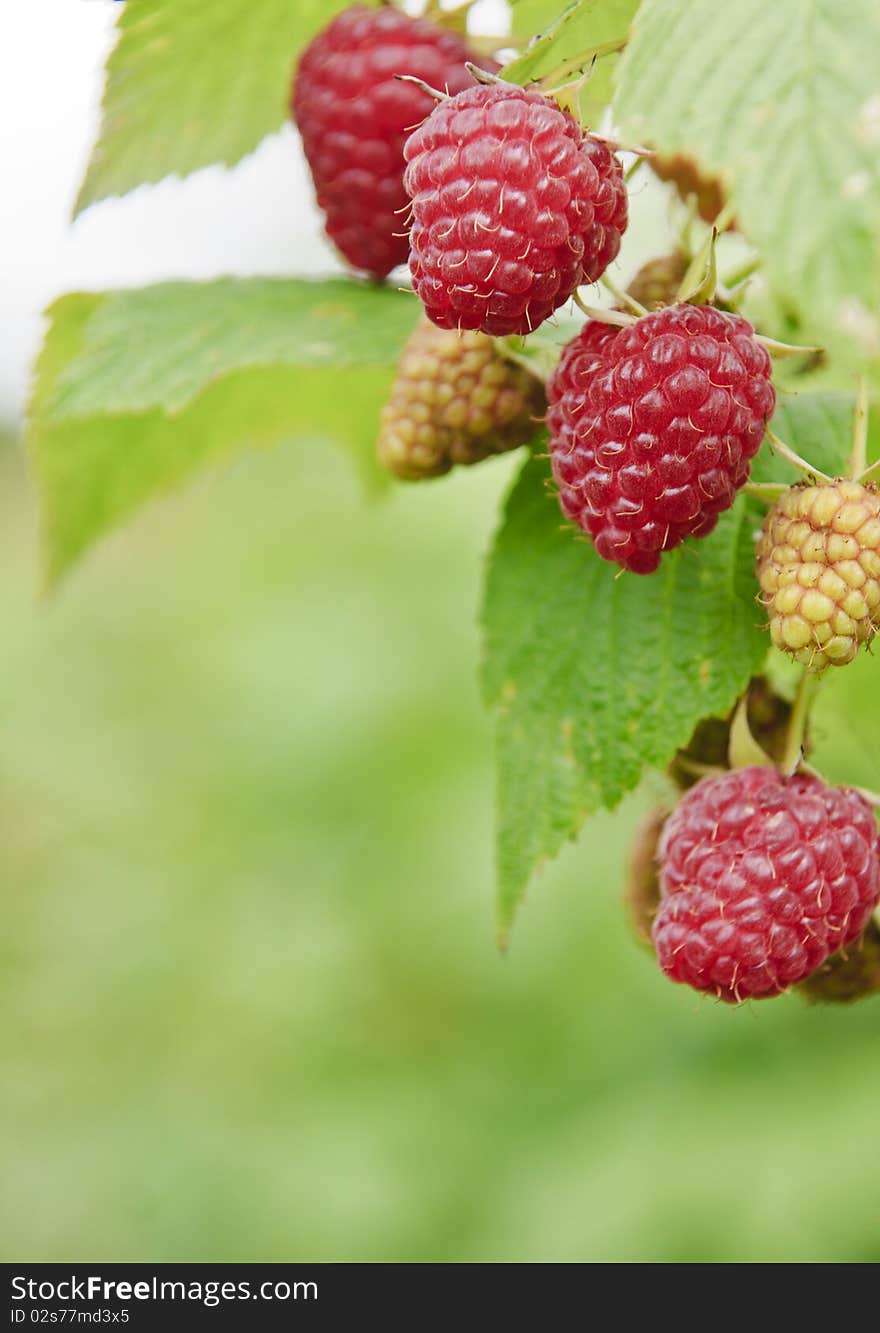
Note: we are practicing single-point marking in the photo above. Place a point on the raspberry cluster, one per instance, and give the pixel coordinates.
(653, 428)
(513, 206)
(354, 116)
(819, 570)
(762, 878)
(455, 399)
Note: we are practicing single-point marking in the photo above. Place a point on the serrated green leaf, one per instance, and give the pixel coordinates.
(566, 33)
(190, 83)
(160, 346)
(782, 101)
(137, 390)
(592, 675)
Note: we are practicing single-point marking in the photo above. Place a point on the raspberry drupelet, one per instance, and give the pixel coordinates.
(513, 206)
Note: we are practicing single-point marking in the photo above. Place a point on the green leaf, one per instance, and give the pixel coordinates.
(565, 35)
(137, 390)
(160, 346)
(190, 83)
(782, 101)
(594, 675)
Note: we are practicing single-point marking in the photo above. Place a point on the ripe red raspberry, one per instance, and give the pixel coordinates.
(763, 878)
(354, 116)
(651, 444)
(513, 207)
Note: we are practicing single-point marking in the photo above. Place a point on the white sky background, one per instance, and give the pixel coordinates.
(257, 218)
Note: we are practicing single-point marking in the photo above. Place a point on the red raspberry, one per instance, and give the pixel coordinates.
(650, 445)
(513, 207)
(762, 878)
(354, 116)
(581, 357)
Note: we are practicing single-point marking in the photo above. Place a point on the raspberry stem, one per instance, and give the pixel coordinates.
(425, 87)
(780, 447)
(858, 459)
(482, 75)
(768, 491)
(797, 724)
(622, 297)
(618, 317)
(779, 351)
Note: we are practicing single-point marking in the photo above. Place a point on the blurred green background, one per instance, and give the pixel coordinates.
(252, 1008)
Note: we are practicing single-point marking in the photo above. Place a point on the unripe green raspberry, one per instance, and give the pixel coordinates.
(819, 570)
(657, 283)
(455, 399)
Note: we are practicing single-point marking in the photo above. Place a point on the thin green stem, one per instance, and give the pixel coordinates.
(618, 317)
(621, 296)
(797, 723)
(780, 350)
(437, 95)
(768, 491)
(870, 474)
(633, 168)
(858, 459)
(784, 451)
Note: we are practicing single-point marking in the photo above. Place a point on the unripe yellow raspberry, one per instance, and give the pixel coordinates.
(455, 399)
(819, 570)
